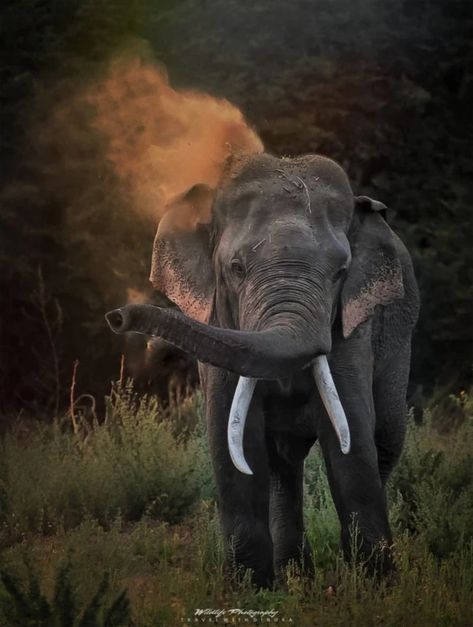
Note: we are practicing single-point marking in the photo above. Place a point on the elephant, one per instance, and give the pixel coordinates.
(160, 369)
(155, 366)
(299, 302)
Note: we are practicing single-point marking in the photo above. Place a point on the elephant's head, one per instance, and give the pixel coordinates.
(259, 268)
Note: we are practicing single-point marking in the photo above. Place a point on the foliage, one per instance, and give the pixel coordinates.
(169, 570)
(134, 464)
(432, 489)
(63, 214)
(32, 608)
(323, 528)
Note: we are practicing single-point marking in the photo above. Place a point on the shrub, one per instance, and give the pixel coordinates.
(132, 464)
(431, 489)
(170, 570)
(29, 606)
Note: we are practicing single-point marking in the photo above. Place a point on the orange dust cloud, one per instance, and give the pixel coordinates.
(162, 141)
(136, 297)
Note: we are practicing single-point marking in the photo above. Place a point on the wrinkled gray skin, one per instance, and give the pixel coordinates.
(291, 266)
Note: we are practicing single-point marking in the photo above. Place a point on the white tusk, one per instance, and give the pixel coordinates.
(236, 422)
(331, 400)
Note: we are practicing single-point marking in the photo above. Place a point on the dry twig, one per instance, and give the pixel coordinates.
(121, 380)
(75, 425)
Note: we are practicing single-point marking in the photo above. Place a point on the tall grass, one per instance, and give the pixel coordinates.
(149, 522)
(136, 463)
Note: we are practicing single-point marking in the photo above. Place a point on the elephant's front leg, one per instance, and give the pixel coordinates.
(286, 460)
(355, 480)
(243, 499)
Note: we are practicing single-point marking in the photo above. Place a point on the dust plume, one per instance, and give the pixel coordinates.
(102, 156)
(162, 141)
(106, 155)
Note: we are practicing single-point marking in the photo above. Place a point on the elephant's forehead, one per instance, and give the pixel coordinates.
(277, 197)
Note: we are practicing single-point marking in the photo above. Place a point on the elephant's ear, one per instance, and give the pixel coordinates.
(375, 273)
(181, 265)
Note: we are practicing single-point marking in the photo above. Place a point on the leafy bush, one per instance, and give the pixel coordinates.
(169, 570)
(432, 488)
(31, 607)
(133, 464)
(323, 527)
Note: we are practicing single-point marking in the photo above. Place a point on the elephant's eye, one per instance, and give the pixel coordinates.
(237, 268)
(340, 274)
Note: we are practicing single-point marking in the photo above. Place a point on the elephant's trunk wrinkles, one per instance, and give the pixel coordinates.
(270, 354)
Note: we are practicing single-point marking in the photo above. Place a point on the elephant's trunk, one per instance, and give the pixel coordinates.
(270, 354)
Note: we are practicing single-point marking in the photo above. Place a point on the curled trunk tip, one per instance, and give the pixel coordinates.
(117, 320)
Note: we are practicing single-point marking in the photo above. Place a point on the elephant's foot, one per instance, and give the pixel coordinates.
(250, 548)
(262, 578)
(296, 556)
(373, 553)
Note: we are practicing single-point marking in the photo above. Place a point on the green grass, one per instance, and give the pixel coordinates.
(133, 500)
(134, 464)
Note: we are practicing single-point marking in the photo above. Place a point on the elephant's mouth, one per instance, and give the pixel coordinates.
(242, 400)
(271, 354)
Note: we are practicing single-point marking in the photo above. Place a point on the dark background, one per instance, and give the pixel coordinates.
(383, 86)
